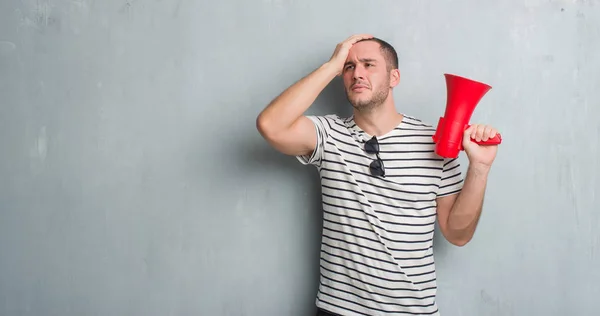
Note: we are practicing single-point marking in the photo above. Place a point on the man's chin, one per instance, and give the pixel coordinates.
(361, 105)
(360, 101)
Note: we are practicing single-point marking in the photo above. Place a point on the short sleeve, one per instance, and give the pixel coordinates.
(452, 180)
(322, 127)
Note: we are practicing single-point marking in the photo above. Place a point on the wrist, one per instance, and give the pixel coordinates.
(479, 169)
(330, 68)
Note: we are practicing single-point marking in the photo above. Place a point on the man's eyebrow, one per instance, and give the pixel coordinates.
(364, 60)
(367, 60)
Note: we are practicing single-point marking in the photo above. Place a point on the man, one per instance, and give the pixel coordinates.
(383, 187)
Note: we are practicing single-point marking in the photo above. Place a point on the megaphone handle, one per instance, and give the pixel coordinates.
(496, 140)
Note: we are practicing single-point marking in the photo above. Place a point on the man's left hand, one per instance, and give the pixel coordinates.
(480, 155)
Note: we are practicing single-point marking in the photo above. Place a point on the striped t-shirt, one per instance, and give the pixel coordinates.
(376, 251)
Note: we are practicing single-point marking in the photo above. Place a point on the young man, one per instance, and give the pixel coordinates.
(383, 187)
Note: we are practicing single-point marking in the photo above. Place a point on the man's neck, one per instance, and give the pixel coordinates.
(379, 120)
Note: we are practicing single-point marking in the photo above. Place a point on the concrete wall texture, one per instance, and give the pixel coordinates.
(133, 180)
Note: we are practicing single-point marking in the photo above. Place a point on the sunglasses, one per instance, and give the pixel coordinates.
(376, 167)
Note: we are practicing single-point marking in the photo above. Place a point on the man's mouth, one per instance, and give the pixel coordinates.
(359, 87)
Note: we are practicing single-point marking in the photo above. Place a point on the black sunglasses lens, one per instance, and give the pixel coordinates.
(372, 146)
(377, 168)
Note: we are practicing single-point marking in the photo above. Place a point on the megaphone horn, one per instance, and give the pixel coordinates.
(463, 95)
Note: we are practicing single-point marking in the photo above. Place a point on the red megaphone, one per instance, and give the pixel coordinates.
(463, 96)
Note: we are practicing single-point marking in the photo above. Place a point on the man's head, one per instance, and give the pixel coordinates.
(370, 72)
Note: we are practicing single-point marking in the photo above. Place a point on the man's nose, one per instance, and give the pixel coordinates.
(359, 72)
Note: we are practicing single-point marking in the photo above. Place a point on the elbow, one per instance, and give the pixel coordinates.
(268, 130)
(460, 242)
(260, 124)
(459, 238)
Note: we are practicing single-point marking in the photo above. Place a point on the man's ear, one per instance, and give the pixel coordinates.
(394, 77)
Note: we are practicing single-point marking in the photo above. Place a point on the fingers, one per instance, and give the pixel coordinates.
(357, 37)
(493, 132)
(343, 48)
(481, 132)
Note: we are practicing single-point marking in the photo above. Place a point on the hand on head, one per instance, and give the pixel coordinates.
(342, 49)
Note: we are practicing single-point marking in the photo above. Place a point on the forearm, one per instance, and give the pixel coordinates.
(467, 208)
(291, 104)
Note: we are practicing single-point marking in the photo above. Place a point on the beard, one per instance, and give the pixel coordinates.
(364, 105)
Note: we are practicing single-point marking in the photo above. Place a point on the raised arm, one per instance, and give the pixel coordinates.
(459, 214)
(283, 124)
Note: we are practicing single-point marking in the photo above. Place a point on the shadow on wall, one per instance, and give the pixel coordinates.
(262, 165)
(273, 170)
(333, 100)
(257, 155)
(440, 245)
(246, 160)
(260, 161)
